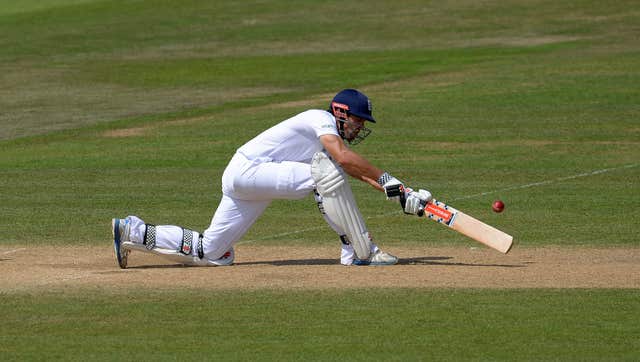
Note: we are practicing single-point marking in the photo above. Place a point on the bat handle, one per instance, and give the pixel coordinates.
(420, 212)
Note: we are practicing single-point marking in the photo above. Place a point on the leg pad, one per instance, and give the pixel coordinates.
(338, 203)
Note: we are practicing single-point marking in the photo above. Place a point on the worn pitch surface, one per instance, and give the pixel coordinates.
(32, 269)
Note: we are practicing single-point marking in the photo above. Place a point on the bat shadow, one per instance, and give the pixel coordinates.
(443, 261)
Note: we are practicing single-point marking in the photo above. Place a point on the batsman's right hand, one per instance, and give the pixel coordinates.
(416, 201)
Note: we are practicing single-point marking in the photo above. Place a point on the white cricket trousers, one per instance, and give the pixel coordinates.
(248, 187)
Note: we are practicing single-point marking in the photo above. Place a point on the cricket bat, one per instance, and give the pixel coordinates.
(467, 225)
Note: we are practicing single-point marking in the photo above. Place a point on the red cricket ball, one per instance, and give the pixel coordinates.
(498, 206)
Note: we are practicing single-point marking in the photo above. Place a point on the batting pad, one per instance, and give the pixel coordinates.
(173, 255)
(173, 243)
(339, 204)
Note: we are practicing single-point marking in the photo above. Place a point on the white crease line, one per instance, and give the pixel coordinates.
(520, 187)
(281, 234)
(549, 182)
(76, 277)
(13, 251)
(63, 280)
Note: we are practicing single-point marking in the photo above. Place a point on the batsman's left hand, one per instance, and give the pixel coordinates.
(416, 201)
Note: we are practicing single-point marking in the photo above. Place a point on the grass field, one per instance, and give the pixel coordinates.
(109, 108)
(272, 325)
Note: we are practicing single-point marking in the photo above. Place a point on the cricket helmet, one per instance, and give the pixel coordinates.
(351, 101)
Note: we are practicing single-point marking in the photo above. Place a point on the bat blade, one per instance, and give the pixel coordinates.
(469, 226)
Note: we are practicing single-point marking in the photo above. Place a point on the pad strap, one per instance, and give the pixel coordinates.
(149, 240)
(187, 242)
(200, 247)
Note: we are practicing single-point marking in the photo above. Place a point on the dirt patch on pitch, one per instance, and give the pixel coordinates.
(34, 269)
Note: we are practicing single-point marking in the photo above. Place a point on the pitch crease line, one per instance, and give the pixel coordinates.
(519, 187)
(13, 251)
(549, 182)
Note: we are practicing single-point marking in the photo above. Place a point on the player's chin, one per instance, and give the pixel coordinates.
(352, 136)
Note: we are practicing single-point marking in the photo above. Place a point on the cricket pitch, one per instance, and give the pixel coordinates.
(30, 269)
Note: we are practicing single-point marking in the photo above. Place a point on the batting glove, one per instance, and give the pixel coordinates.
(416, 201)
(393, 188)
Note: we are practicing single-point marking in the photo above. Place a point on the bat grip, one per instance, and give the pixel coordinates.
(420, 212)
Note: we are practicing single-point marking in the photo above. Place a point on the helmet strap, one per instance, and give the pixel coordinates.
(341, 129)
(364, 132)
(341, 112)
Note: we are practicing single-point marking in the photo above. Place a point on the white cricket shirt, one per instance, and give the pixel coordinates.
(295, 139)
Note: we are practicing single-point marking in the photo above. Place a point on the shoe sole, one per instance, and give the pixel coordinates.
(117, 247)
(226, 260)
(358, 262)
(385, 263)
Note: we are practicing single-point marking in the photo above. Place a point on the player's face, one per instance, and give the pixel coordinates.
(352, 127)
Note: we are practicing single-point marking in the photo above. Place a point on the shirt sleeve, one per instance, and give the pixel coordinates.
(324, 123)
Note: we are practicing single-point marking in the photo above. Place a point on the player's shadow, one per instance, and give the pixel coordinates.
(160, 266)
(425, 260)
(443, 261)
(292, 262)
(289, 262)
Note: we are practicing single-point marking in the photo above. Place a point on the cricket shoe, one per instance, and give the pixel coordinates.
(120, 229)
(378, 258)
(226, 259)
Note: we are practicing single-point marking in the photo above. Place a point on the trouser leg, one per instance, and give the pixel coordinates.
(231, 221)
(249, 186)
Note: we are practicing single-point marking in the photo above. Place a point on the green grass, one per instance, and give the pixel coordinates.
(473, 106)
(532, 102)
(478, 133)
(401, 325)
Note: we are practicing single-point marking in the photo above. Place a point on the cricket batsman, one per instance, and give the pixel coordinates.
(305, 153)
